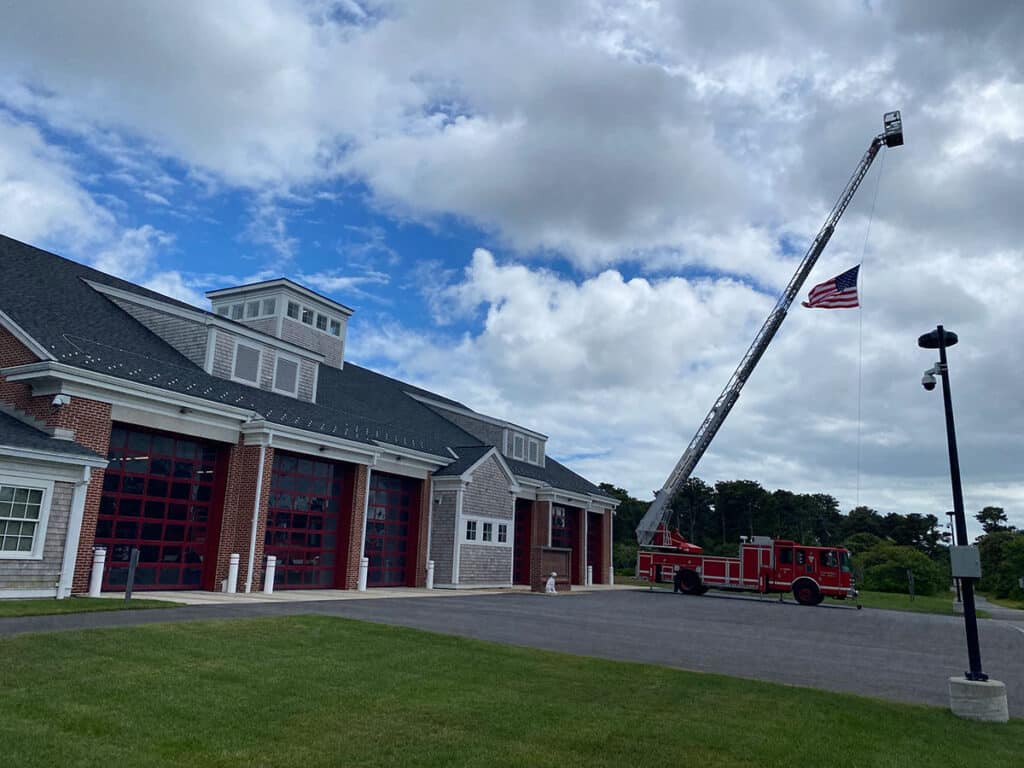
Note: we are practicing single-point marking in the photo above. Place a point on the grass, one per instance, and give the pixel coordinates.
(320, 691)
(1006, 602)
(47, 606)
(941, 604)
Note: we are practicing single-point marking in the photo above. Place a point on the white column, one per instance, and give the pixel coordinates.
(99, 557)
(233, 574)
(67, 571)
(364, 567)
(430, 574)
(256, 516)
(268, 577)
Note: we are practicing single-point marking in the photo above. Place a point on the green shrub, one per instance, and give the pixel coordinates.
(885, 569)
(624, 556)
(1002, 564)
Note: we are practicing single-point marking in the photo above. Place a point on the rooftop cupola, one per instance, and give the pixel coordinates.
(290, 312)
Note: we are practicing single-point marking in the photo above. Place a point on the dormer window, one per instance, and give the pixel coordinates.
(307, 316)
(517, 447)
(321, 322)
(534, 451)
(252, 309)
(286, 375)
(270, 306)
(335, 328)
(293, 310)
(247, 363)
(236, 311)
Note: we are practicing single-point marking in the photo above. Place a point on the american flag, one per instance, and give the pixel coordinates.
(838, 293)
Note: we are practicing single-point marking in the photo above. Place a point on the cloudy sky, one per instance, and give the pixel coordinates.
(573, 215)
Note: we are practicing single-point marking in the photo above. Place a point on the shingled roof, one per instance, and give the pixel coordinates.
(15, 433)
(48, 297)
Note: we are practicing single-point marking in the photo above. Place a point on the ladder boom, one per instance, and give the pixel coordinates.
(660, 508)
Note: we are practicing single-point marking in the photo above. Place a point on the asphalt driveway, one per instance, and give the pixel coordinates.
(889, 654)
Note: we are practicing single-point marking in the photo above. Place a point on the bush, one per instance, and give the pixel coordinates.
(885, 569)
(624, 556)
(1002, 564)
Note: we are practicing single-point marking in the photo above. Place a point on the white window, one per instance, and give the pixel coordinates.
(247, 363)
(471, 530)
(252, 309)
(236, 311)
(293, 310)
(534, 452)
(269, 306)
(517, 447)
(502, 533)
(286, 375)
(307, 316)
(223, 311)
(321, 322)
(22, 520)
(488, 532)
(335, 328)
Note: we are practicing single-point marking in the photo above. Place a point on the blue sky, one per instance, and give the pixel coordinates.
(572, 215)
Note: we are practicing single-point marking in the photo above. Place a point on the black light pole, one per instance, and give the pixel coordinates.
(940, 339)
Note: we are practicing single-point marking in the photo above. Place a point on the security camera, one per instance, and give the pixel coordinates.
(928, 381)
(60, 400)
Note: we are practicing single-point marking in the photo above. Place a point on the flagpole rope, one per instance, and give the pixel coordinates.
(860, 317)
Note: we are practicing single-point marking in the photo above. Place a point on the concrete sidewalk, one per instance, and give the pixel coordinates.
(322, 595)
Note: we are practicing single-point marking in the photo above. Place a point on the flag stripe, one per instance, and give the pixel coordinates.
(838, 293)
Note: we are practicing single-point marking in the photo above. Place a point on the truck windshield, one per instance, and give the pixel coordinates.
(844, 562)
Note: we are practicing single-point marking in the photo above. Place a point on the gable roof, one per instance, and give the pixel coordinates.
(48, 297)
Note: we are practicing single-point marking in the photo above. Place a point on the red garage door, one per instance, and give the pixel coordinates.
(306, 529)
(162, 493)
(392, 522)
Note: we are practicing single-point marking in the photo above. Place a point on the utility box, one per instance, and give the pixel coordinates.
(965, 562)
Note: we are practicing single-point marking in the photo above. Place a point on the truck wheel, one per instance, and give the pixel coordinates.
(806, 592)
(688, 582)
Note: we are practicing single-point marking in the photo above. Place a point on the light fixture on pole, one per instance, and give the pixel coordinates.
(941, 339)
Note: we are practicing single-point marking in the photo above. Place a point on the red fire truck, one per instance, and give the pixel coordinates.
(764, 565)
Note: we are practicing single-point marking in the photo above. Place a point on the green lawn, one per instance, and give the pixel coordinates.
(1006, 602)
(320, 691)
(45, 606)
(934, 604)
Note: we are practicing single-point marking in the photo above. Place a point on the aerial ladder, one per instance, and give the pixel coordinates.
(651, 525)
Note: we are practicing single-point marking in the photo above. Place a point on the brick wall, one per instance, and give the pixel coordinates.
(236, 516)
(421, 535)
(45, 573)
(355, 539)
(540, 532)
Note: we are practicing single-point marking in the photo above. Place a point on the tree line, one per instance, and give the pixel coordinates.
(884, 546)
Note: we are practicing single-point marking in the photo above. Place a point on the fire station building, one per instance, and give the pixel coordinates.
(130, 420)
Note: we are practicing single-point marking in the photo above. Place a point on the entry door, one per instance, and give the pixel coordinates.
(521, 551)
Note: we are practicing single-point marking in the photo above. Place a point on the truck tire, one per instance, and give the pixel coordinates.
(688, 582)
(806, 592)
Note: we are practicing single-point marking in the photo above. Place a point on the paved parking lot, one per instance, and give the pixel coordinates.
(889, 654)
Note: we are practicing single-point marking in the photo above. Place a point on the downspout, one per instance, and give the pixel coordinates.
(74, 533)
(256, 513)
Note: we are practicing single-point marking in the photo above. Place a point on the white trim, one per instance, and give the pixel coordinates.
(234, 363)
(211, 349)
(467, 474)
(257, 431)
(205, 318)
(316, 381)
(456, 542)
(256, 514)
(74, 532)
(32, 454)
(23, 594)
(19, 333)
(278, 356)
(279, 283)
(33, 483)
(366, 512)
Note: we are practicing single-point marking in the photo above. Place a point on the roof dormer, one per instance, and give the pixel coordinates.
(288, 311)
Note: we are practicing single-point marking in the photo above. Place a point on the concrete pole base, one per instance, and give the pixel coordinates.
(978, 700)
